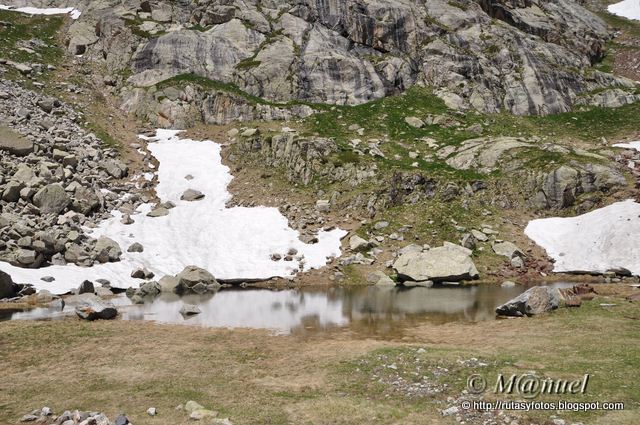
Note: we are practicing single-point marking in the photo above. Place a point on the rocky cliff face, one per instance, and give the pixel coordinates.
(522, 56)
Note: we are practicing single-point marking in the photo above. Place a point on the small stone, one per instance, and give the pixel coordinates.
(191, 195)
(86, 287)
(135, 247)
(152, 411)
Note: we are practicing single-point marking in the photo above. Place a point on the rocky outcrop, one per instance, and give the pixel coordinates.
(446, 263)
(548, 185)
(530, 57)
(305, 158)
(183, 105)
(561, 187)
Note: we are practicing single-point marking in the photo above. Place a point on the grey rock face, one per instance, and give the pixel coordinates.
(447, 263)
(537, 300)
(350, 52)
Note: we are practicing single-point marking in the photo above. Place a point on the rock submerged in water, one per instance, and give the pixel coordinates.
(449, 262)
(537, 300)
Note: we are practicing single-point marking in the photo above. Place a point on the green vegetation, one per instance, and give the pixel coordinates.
(614, 371)
(17, 29)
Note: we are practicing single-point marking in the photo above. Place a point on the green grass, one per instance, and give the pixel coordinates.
(614, 366)
(23, 28)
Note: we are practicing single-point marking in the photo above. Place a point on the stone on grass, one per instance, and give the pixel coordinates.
(537, 300)
(358, 244)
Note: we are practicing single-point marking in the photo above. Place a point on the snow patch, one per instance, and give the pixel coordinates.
(72, 12)
(627, 9)
(630, 145)
(231, 243)
(602, 240)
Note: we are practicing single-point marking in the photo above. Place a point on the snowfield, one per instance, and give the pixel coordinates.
(231, 243)
(72, 12)
(627, 8)
(604, 239)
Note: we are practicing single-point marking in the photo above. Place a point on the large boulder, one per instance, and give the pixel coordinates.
(51, 199)
(14, 143)
(6, 286)
(91, 307)
(536, 300)
(192, 278)
(446, 263)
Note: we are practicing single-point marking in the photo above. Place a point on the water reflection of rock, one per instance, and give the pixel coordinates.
(442, 304)
(368, 311)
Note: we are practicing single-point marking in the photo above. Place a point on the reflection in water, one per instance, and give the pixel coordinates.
(372, 310)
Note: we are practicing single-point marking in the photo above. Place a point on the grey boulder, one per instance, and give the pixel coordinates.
(537, 300)
(93, 308)
(192, 276)
(51, 199)
(446, 263)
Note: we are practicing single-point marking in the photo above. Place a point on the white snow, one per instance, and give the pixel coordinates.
(630, 145)
(604, 239)
(627, 9)
(72, 12)
(231, 243)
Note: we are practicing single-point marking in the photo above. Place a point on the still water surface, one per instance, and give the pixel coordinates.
(371, 310)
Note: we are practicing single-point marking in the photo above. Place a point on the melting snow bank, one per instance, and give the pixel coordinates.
(73, 13)
(630, 145)
(231, 243)
(602, 240)
(627, 8)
